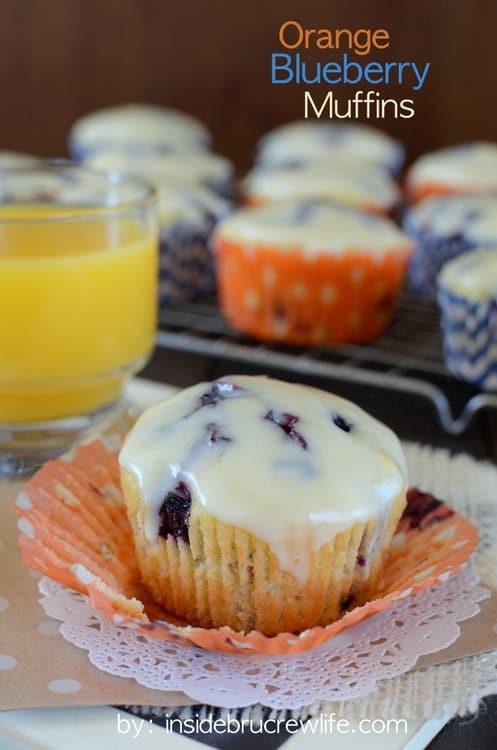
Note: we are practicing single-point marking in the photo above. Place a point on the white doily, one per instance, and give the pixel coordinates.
(348, 666)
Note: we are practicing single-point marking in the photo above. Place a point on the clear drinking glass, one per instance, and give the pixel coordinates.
(78, 277)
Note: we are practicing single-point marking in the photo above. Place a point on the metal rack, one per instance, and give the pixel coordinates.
(406, 359)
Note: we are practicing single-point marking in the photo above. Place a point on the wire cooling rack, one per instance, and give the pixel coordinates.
(407, 358)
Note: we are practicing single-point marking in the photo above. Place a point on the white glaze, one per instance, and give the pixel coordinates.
(192, 204)
(294, 499)
(474, 216)
(129, 125)
(169, 168)
(470, 166)
(472, 275)
(10, 159)
(313, 228)
(314, 139)
(343, 182)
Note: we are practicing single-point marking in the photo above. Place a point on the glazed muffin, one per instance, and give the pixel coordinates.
(130, 126)
(467, 169)
(9, 159)
(309, 273)
(305, 141)
(168, 167)
(260, 504)
(442, 229)
(467, 291)
(367, 188)
(187, 216)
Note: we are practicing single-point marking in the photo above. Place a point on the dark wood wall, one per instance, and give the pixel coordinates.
(61, 58)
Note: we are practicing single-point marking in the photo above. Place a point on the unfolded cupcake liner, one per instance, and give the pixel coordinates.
(75, 530)
(469, 336)
(324, 298)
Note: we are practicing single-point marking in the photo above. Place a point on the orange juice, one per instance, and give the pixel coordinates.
(77, 308)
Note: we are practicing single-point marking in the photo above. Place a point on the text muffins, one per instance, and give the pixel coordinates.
(467, 169)
(307, 141)
(467, 290)
(368, 188)
(309, 273)
(442, 229)
(129, 126)
(259, 504)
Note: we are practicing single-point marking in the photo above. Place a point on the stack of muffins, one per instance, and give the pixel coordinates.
(313, 257)
(195, 186)
(453, 223)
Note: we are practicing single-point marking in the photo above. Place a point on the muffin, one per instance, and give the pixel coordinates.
(129, 126)
(443, 228)
(260, 504)
(309, 273)
(466, 169)
(306, 141)
(10, 159)
(186, 218)
(367, 188)
(169, 167)
(467, 291)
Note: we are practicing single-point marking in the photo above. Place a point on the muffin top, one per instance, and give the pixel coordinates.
(169, 167)
(308, 140)
(9, 159)
(192, 205)
(347, 183)
(472, 217)
(468, 167)
(290, 464)
(129, 125)
(313, 228)
(472, 275)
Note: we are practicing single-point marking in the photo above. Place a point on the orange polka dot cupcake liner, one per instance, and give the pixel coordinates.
(419, 193)
(286, 296)
(75, 530)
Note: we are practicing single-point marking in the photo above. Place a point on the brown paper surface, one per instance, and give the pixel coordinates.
(42, 659)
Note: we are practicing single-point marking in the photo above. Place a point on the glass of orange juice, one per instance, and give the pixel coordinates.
(78, 276)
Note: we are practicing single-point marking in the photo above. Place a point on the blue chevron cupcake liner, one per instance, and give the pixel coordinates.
(429, 256)
(186, 264)
(469, 331)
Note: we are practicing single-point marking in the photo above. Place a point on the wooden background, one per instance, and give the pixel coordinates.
(62, 58)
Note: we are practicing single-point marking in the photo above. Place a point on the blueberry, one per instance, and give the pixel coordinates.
(214, 434)
(217, 393)
(305, 211)
(455, 238)
(174, 513)
(360, 561)
(420, 505)
(346, 602)
(342, 423)
(287, 423)
(472, 215)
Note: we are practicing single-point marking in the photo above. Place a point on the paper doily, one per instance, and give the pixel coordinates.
(75, 529)
(347, 667)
